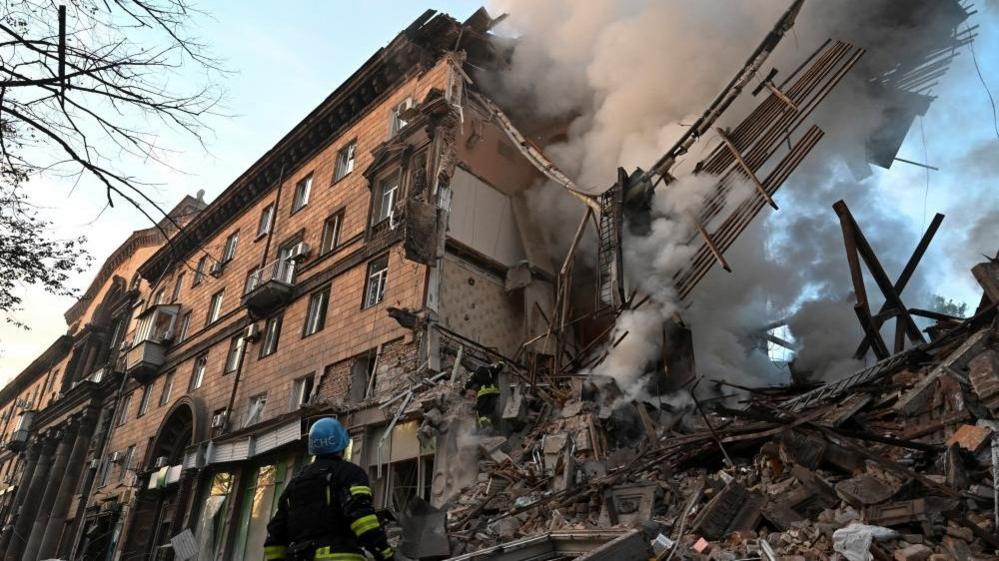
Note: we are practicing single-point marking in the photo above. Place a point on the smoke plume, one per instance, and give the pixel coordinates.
(631, 74)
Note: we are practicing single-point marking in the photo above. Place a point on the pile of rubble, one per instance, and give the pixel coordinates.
(898, 461)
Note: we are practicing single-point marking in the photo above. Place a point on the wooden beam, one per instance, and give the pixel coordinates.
(711, 245)
(746, 169)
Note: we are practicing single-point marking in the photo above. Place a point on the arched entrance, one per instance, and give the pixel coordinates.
(159, 513)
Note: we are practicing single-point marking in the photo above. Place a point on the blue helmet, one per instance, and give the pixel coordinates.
(327, 436)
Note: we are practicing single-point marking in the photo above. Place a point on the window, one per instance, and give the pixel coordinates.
(198, 373)
(331, 233)
(302, 190)
(126, 463)
(362, 375)
(176, 288)
(272, 332)
(266, 220)
(199, 271)
(255, 411)
(147, 391)
(105, 475)
(385, 195)
(374, 291)
(230, 247)
(123, 412)
(344, 161)
(250, 283)
(185, 325)
(157, 297)
(301, 391)
(167, 388)
(397, 121)
(215, 308)
(235, 355)
(315, 317)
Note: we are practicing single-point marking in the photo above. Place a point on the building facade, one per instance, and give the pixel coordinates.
(383, 242)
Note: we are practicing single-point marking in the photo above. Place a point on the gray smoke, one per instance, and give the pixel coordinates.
(630, 74)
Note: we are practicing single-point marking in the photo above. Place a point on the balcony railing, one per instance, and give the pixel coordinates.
(150, 341)
(270, 286)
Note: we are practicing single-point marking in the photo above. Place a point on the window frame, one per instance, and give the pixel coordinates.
(229, 249)
(346, 157)
(265, 228)
(126, 462)
(297, 389)
(147, 392)
(123, 410)
(277, 320)
(197, 376)
(378, 201)
(337, 218)
(178, 285)
(249, 408)
(167, 388)
(185, 327)
(296, 199)
(396, 123)
(236, 344)
(383, 279)
(215, 312)
(323, 294)
(199, 271)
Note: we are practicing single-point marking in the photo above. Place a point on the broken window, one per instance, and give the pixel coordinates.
(123, 412)
(272, 333)
(266, 220)
(230, 247)
(397, 121)
(167, 388)
(362, 376)
(251, 280)
(176, 288)
(260, 493)
(301, 391)
(199, 271)
(215, 307)
(255, 411)
(185, 324)
(126, 463)
(384, 198)
(235, 355)
(302, 190)
(344, 161)
(157, 298)
(212, 514)
(315, 317)
(147, 391)
(331, 233)
(374, 291)
(198, 373)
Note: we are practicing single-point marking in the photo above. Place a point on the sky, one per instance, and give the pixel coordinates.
(285, 57)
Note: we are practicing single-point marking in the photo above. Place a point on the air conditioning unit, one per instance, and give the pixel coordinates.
(252, 333)
(218, 420)
(161, 462)
(300, 250)
(216, 269)
(115, 457)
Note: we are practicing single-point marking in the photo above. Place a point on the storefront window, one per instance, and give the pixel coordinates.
(212, 519)
(260, 501)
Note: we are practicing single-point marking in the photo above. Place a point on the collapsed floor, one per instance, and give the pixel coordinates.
(896, 461)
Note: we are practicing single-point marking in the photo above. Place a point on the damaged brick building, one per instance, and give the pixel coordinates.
(386, 245)
(384, 232)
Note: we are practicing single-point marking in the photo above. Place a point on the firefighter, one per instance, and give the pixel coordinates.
(326, 512)
(485, 381)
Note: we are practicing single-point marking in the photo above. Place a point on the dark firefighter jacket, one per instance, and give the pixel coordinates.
(327, 510)
(484, 380)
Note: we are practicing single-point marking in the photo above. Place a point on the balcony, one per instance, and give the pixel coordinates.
(150, 342)
(19, 438)
(271, 286)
